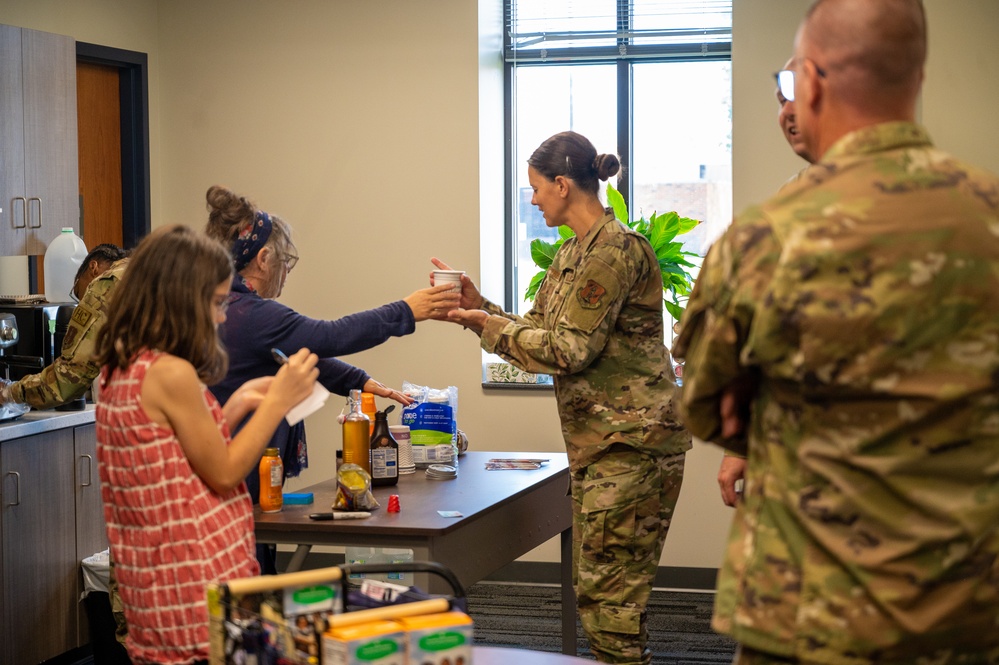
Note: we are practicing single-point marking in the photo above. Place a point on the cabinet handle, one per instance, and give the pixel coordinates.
(17, 488)
(90, 470)
(39, 225)
(24, 212)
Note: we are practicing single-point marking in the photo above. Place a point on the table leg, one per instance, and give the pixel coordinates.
(568, 596)
(298, 558)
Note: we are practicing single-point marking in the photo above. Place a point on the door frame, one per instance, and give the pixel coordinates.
(133, 87)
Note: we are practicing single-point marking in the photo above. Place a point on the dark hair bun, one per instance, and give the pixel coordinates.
(606, 166)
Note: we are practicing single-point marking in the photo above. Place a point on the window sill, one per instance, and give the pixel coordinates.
(497, 373)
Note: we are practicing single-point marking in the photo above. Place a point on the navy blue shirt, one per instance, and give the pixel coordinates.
(255, 325)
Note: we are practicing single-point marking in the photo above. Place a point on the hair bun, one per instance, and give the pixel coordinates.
(606, 166)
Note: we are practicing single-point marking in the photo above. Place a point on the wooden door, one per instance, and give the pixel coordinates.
(99, 133)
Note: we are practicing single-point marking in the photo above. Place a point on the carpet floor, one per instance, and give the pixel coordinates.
(528, 616)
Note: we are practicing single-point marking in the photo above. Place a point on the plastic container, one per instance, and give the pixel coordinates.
(271, 481)
(63, 257)
(382, 555)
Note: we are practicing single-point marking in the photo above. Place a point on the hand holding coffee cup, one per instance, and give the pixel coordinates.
(434, 302)
(470, 296)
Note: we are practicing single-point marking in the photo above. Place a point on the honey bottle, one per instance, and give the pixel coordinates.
(271, 481)
(357, 435)
(384, 452)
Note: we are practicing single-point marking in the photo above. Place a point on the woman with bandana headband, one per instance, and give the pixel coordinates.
(263, 255)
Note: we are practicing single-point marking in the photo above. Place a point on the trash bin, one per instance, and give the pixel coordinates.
(97, 605)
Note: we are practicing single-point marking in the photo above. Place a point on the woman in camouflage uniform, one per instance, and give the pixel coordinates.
(597, 327)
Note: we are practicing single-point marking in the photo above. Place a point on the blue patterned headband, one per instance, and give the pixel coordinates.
(251, 240)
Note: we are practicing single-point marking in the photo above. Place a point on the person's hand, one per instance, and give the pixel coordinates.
(252, 393)
(372, 386)
(295, 379)
(732, 469)
(432, 303)
(474, 319)
(470, 296)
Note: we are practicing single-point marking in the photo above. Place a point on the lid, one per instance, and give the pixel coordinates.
(368, 401)
(271, 451)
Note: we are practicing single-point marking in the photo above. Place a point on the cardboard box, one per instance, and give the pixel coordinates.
(438, 639)
(372, 643)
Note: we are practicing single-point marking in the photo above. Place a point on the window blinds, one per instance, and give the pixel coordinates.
(594, 30)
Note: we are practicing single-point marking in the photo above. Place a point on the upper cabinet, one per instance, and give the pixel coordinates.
(39, 181)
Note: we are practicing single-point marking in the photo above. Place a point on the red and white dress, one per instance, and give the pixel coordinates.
(170, 534)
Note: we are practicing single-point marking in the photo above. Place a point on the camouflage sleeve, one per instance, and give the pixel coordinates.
(716, 322)
(587, 308)
(71, 374)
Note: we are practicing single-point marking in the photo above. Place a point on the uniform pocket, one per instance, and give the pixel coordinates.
(620, 513)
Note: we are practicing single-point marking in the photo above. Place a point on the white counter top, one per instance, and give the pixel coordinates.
(36, 422)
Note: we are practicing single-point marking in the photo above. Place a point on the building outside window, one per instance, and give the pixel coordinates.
(647, 79)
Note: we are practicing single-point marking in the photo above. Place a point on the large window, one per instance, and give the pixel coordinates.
(647, 79)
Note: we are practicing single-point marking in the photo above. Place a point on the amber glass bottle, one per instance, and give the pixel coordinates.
(271, 481)
(357, 435)
(384, 451)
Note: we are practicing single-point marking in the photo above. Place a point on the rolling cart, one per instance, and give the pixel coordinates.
(278, 619)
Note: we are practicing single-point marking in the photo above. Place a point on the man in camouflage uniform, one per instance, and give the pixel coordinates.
(72, 373)
(597, 328)
(846, 334)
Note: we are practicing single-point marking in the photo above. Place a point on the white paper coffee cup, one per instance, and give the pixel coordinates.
(448, 277)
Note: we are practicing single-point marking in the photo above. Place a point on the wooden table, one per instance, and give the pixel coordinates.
(504, 515)
(504, 656)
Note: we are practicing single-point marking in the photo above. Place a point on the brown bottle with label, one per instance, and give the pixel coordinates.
(357, 435)
(384, 452)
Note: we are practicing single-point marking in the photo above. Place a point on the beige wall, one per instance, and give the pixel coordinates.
(374, 128)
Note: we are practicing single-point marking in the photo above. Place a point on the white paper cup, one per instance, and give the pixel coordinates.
(449, 277)
(401, 435)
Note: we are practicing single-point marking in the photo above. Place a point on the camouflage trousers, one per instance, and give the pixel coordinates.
(747, 656)
(622, 506)
(117, 609)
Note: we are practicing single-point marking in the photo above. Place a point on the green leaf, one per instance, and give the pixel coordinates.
(532, 288)
(616, 201)
(542, 252)
(674, 310)
(565, 232)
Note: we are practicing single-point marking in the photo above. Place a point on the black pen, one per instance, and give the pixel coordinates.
(279, 356)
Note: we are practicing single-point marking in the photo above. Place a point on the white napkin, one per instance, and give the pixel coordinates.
(309, 405)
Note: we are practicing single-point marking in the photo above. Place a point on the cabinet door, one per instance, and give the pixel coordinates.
(40, 566)
(13, 202)
(91, 531)
(51, 168)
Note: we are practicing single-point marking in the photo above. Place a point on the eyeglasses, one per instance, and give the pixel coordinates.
(72, 291)
(785, 81)
(290, 260)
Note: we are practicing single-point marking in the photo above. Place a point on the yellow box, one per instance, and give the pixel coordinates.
(438, 639)
(372, 643)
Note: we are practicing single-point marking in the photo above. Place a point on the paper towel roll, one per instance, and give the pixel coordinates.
(14, 275)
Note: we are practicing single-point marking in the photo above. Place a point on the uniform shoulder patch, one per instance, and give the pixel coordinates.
(82, 316)
(589, 294)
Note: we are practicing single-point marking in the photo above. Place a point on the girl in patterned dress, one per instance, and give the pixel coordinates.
(177, 510)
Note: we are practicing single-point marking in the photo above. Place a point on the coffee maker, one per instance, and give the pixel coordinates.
(31, 337)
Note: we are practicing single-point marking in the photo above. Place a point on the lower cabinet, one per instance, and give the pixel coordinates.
(51, 518)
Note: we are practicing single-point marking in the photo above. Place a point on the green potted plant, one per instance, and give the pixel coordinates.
(661, 232)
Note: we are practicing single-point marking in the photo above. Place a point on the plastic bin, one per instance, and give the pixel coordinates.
(96, 598)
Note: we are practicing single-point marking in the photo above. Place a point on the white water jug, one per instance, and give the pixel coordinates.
(63, 257)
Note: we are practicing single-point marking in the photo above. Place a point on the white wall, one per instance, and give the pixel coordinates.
(374, 128)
